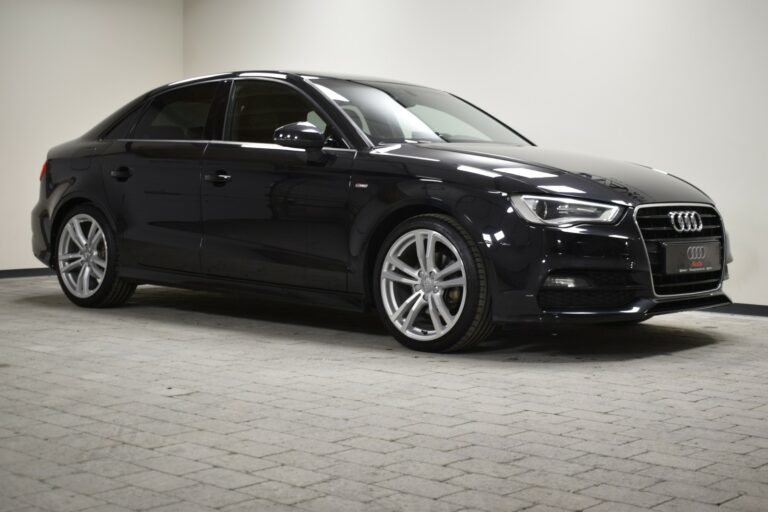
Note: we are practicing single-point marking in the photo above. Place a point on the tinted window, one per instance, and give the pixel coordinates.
(181, 114)
(123, 127)
(260, 107)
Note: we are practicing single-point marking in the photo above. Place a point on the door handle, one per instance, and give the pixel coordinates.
(217, 178)
(121, 173)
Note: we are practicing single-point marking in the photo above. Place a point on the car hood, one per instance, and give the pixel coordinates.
(531, 169)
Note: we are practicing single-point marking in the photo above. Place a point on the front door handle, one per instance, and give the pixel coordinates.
(121, 173)
(217, 178)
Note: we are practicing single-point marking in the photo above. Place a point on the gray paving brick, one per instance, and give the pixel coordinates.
(240, 462)
(420, 486)
(485, 483)
(553, 480)
(280, 492)
(674, 461)
(292, 475)
(173, 465)
(135, 498)
(209, 495)
(487, 501)
(624, 495)
(424, 470)
(85, 483)
(555, 498)
(155, 480)
(359, 473)
(693, 492)
(337, 504)
(352, 490)
(618, 478)
(403, 502)
(224, 478)
(60, 500)
(14, 485)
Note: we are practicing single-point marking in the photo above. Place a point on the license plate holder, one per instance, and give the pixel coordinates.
(692, 257)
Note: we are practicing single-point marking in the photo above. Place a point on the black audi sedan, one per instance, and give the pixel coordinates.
(356, 193)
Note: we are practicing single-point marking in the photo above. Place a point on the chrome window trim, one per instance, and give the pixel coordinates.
(252, 145)
(711, 292)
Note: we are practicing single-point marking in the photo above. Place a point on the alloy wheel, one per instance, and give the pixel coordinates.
(423, 284)
(82, 255)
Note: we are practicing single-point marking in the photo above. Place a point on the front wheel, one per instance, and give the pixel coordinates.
(86, 260)
(431, 286)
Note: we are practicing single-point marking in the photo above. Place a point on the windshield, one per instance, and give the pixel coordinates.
(396, 113)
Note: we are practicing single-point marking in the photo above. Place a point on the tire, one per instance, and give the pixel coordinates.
(434, 299)
(85, 260)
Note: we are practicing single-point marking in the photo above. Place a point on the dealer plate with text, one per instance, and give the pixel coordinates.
(689, 257)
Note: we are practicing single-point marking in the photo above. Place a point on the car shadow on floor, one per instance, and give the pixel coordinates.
(524, 342)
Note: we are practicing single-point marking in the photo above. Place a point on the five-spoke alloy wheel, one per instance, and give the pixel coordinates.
(82, 255)
(431, 285)
(86, 259)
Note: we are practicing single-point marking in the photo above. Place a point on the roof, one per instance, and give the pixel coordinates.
(295, 75)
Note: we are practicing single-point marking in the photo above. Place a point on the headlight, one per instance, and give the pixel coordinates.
(558, 211)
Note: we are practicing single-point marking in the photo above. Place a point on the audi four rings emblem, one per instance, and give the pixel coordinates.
(697, 252)
(686, 222)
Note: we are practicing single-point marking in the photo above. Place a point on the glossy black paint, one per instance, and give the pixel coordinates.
(305, 225)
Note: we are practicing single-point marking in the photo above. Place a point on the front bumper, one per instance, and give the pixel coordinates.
(612, 258)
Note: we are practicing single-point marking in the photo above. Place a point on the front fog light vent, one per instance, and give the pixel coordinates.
(561, 282)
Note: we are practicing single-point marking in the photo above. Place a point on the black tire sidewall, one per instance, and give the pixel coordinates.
(472, 290)
(110, 275)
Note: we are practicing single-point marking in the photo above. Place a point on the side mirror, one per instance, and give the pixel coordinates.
(303, 135)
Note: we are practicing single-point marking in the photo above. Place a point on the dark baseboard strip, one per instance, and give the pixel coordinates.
(26, 272)
(742, 309)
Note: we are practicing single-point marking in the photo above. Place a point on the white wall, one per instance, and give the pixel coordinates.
(64, 66)
(678, 84)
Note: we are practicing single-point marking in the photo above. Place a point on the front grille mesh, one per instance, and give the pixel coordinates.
(585, 299)
(656, 229)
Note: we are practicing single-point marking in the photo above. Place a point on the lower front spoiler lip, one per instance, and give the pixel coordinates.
(640, 309)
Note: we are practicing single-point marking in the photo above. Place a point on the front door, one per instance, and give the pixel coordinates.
(274, 214)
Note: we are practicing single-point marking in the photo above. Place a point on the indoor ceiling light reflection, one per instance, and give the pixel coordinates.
(561, 189)
(330, 93)
(525, 173)
(481, 172)
(263, 74)
(388, 149)
(196, 78)
(266, 145)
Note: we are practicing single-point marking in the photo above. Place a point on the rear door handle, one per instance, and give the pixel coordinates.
(217, 178)
(121, 173)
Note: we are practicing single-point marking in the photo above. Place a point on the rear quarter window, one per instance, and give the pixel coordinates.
(180, 114)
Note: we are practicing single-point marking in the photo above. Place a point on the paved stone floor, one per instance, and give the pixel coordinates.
(191, 402)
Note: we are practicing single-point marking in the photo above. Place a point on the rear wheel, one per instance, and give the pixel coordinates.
(431, 286)
(86, 260)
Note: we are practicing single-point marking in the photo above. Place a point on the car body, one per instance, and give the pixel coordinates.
(211, 209)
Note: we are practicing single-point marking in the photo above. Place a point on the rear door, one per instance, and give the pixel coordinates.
(153, 177)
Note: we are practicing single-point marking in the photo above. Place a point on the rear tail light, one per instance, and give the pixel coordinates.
(42, 170)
